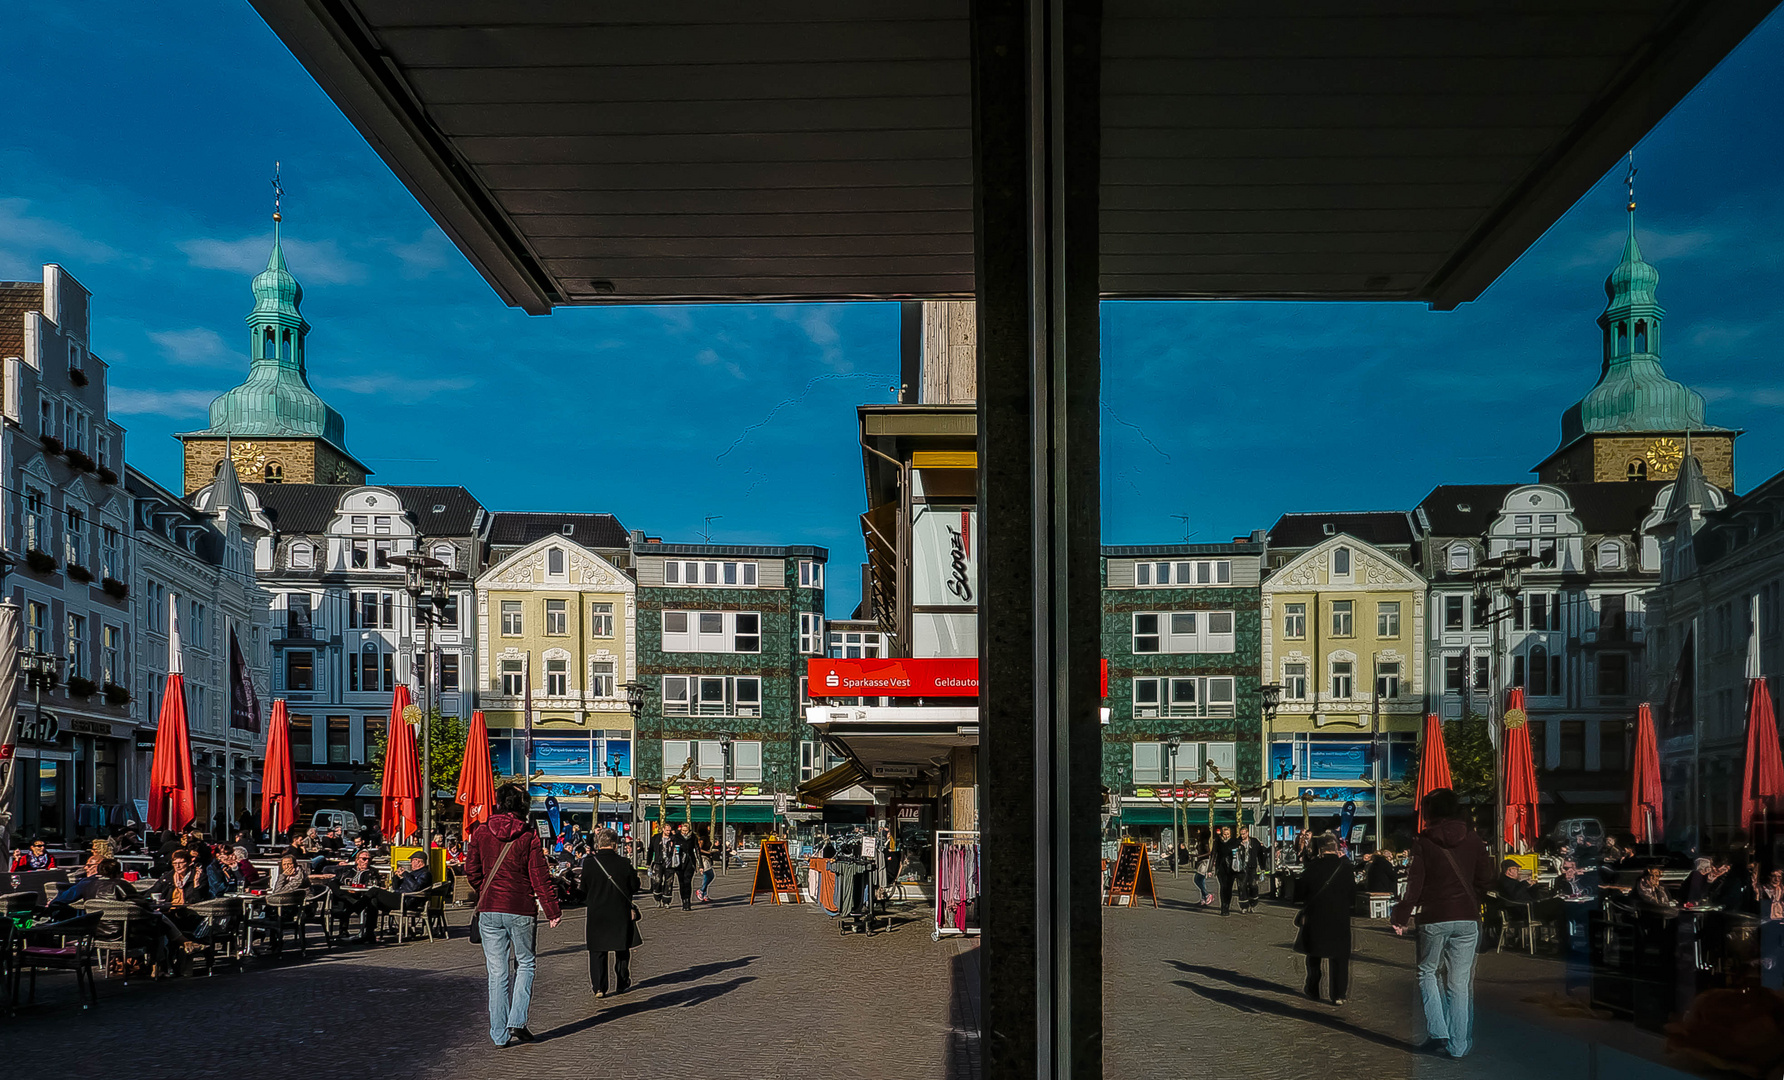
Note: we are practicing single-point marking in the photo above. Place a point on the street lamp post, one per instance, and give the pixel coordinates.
(1172, 744)
(1270, 699)
(1504, 574)
(42, 671)
(635, 703)
(425, 579)
(726, 738)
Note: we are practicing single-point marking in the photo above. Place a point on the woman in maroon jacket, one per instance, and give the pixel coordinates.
(506, 866)
(1449, 873)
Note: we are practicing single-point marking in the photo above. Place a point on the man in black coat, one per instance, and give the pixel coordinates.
(1223, 866)
(611, 882)
(684, 857)
(1242, 859)
(1327, 895)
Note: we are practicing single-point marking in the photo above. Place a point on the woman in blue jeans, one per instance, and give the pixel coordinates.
(1449, 873)
(506, 866)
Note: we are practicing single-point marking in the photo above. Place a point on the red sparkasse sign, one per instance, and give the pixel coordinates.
(942, 677)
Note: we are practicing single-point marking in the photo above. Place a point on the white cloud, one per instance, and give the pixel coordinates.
(397, 386)
(197, 347)
(429, 252)
(28, 241)
(310, 260)
(128, 402)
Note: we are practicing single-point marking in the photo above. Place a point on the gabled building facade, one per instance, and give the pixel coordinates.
(557, 626)
(67, 522)
(1344, 635)
(1182, 640)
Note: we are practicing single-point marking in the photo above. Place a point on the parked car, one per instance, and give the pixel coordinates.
(1583, 837)
(324, 820)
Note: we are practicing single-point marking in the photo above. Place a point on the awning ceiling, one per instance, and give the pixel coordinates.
(630, 151)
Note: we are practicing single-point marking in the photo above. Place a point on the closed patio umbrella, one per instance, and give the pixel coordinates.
(1645, 797)
(1762, 784)
(399, 793)
(278, 780)
(1520, 777)
(476, 779)
(1434, 770)
(173, 796)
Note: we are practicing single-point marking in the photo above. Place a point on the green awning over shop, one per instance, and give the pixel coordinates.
(1161, 815)
(737, 812)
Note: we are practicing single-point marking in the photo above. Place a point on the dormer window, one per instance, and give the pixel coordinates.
(74, 357)
(569, 530)
(446, 554)
(303, 556)
(1610, 555)
(1460, 558)
(1341, 562)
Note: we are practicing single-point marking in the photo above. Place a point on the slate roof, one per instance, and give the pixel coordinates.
(516, 529)
(1237, 547)
(1378, 527)
(740, 551)
(17, 298)
(308, 508)
(1608, 508)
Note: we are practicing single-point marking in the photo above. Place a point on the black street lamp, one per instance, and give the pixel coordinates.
(635, 703)
(726, 738)
(1504, 575)
(1172, 744)
(426, 580)
(1269, 700)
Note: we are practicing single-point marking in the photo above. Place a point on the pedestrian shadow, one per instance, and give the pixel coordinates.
(698, 971)
(1356, 957)
(1227, 975)
(1251, 1003)
(682, 999)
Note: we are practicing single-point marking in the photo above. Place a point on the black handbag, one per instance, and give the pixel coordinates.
(477, 912)
(636, 939)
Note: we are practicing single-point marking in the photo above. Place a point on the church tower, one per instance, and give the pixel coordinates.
(274, 428)
(1636, 423)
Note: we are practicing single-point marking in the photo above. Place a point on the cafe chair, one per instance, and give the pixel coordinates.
(62, 945)
(111, 941)
(224, 917)
(286, 913)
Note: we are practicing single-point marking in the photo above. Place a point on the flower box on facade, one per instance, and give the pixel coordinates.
(116, 695)
(81, 688)
(115, 588)
(80, 460)
(77, 376)
(51, 444)
(79, 572)
(106, 476)
(40, 561)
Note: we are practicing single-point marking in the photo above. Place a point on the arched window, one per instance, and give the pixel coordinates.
(275, 473)
(1610, 555)
(1460, 558)
(1641, 336)
(1537, 680)
(446, 554)
(1622, 338)
(303, 556)
(285, 349)
(1638, 470)
(1341, 561)
(269, 346)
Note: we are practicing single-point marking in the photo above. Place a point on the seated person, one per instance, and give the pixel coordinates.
(104, 880)
(1511, 887)
(127, 842)
(245, 869)
(34, 857)
(360, 875)
(1380, 876)
(1573, 885)
(1651, 895)
(1698, 882)
(417, 878)
(294, 877)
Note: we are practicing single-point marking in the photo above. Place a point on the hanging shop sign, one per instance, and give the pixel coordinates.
(944, 556)
(774, 873)
(1132, 879)
(38, 728)
(894, 677)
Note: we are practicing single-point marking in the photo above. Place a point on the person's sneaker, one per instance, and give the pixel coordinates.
(1435, 1047)
(600, 993)
(623, 987)
(1338, 1001)
(519, 1034)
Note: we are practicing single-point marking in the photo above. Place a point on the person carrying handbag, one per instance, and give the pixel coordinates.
(1328, 894)
(506, 866)
(612, 926)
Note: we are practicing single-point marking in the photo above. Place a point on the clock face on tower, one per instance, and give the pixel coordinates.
(248, 458)
(1664, 457)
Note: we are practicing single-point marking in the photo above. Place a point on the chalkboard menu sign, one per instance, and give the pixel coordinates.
(1132, 878)
(774, 874)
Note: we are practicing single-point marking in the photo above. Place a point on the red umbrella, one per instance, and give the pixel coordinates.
(1520, 777)
(278, 781)
(1645, 798)
(1762, 788)
(173, 801)
(1434, 770)
(399, 793)
(476, 780)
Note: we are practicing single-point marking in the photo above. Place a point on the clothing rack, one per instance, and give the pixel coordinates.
(957, 884)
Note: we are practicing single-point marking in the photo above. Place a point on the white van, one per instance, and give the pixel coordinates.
(324, 820)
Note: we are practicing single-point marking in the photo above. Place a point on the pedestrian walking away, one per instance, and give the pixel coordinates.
(1243, 858)
(612, 917)
(1224, 847)
(506, 867)
(684, 854)
(1327, 896)
(1449, 872)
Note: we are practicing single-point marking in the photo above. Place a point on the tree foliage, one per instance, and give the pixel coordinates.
(1469, 746)
(447, 734)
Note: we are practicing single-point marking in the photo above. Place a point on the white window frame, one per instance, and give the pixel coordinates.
(811, 574)
(302, 555)
(712, 632)
(600, 620)
(513, 614)
(557, 619)
(602, 678)
(557, 562)
(1348, 627)
(511, 677)
(1184, 632)
(557, 678)
(1461, 557)
(707, 574)
(1387, 679)
(1294, 620)
(1156, 696)
(712, 695)
(811, 633)
(1343, 683)
(1294, 680)
(1387, 618)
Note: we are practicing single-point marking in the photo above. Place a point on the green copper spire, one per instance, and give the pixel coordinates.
(276, 400)
(1633, 392)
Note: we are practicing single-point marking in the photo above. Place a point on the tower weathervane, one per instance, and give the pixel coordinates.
(278, 193)
(1629, 181)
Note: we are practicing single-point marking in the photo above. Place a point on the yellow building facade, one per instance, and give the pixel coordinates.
(557, 633)
(1343, 634)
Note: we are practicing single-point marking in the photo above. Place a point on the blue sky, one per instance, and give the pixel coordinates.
(138, 150)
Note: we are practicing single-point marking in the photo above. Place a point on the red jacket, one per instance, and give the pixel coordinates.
(1433, 885)
(522, 875)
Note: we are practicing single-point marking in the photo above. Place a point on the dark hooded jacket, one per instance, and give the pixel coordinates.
(522, 875)
(1451, 870)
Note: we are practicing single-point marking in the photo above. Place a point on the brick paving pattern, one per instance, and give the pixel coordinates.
(769, 993)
